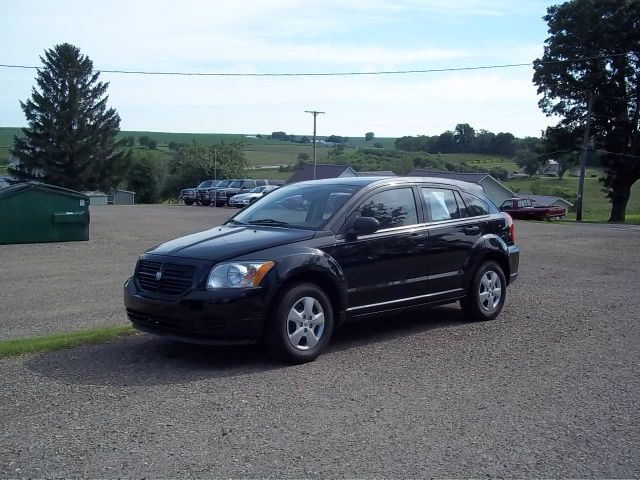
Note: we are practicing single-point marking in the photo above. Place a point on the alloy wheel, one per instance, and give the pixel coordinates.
(305, 323)
(490, 291)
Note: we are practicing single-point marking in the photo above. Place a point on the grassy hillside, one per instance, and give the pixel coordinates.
(263, 151)
(266, 152)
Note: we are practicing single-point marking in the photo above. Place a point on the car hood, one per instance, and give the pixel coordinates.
(225, 242)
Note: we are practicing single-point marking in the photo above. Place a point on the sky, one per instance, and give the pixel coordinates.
(292, 36)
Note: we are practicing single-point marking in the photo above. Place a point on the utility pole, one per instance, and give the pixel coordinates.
(583, 158)
(315, 114)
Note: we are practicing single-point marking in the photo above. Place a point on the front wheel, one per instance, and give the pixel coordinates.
(301, 325)
(487, 293)
(188, 201)
(205, 201)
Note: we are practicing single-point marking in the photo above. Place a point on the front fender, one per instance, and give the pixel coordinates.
(306, 264)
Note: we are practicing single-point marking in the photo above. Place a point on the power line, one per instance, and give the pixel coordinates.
(335, 74)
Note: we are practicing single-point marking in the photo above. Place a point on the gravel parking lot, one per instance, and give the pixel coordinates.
(549, 389)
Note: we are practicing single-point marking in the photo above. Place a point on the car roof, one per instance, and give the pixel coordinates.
(381, 181)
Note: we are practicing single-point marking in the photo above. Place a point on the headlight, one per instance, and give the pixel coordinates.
(238, 274)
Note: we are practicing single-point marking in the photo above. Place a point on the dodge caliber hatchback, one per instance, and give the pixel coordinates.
(289, 269)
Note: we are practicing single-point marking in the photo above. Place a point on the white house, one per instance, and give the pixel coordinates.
(551, 167)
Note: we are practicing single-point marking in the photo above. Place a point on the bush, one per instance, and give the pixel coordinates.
(144, 177)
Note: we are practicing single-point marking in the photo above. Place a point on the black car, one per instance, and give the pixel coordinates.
(307, 257)
(207, 189)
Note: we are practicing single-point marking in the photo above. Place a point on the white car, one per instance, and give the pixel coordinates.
(243, 199)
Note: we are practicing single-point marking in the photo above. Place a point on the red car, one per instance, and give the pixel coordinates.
(523, 209)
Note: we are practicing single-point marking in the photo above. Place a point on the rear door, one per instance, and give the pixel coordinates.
(455, 231)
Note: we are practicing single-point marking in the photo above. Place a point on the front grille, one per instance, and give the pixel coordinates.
(175, 279)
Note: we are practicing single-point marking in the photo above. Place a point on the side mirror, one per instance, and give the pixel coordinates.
(504, 207)
(364, 226)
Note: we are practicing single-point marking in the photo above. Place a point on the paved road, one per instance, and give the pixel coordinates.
(549, 389)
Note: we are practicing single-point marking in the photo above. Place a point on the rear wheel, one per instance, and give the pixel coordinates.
(301, 325)
(487, 293)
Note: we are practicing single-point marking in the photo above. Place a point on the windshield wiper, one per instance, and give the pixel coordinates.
(268, 221)
(231, 220)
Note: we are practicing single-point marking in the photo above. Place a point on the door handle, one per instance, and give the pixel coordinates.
(472, 230)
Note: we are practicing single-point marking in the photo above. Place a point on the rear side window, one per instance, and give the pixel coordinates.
(440, 204)
(476, 207)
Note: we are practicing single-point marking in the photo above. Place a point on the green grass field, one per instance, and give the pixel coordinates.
(281, 153)
(268, 173)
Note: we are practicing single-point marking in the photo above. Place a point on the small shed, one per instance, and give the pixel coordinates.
(96, 199)
(492, 187)
(124, 197)
(36, 212)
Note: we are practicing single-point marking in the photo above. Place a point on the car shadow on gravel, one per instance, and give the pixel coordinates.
(148, 360)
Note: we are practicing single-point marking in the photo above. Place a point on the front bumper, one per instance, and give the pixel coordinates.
(227, 316)
(238, 203)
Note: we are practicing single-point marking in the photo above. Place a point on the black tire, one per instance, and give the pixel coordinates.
(281, 333)
(188, 201)
(206, 202)
(480, 303)
(253, 200)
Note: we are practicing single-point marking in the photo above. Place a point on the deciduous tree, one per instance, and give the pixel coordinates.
(593, 50)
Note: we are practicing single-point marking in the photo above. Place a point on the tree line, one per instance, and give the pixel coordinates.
(463, 139)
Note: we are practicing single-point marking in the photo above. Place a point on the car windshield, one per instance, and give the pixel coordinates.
(236, 184)
(205, 184)
(223, 183)
(257, 190)
(305, 206)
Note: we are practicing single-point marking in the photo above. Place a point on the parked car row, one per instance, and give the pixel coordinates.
(219, 193)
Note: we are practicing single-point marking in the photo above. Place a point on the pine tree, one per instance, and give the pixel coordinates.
(70, 140)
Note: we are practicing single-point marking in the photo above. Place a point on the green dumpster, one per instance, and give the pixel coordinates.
(36, 212)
